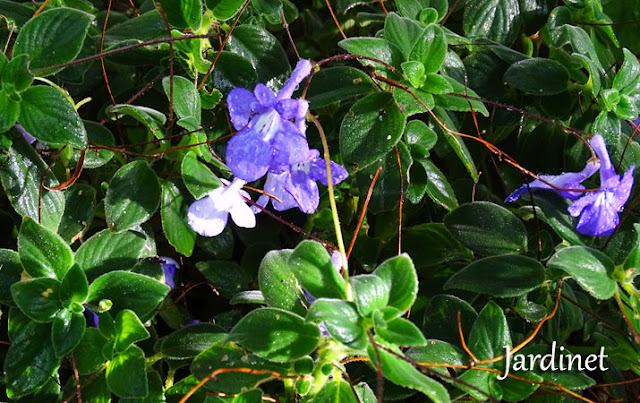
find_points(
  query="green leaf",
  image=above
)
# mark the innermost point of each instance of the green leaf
(537, 76)
(337, 391)
(440, 318)
(227, 277)
(510, 275)
(311, 264)
(590, 268)
(21, 175)
(278, 284)
(80, 204)
(42, 252)
(342, 321)
(10, 273)
(627, 79)
(49, 116)
(438, 352)
(370, 130)
(405, 374)
(371, 293)
(438, 187)
(99, 135)
(336, 84)
(52, 38)
(186, 101)
(431, 245)
(129, 330)
(30, 361)
(125, 290)
(232, 71)
(386, 192)
(430, 49)
(275, 334)
(231, 356)
(150, 118)
(197, 177)
(39, 299)
(489, 334)
(67, 331)
(224, 9)
(183, 14)
(125, 209)
(376, 48)
(74, 286)
(460, 103)
(10, 111)
(401, 332)
(269, 9)
(402, 32)
(487, 228)
(264, 52)
(107, 251)
(88, 353)
(251, 396)
(497, 20)
(17, 73)
(400, 277)
(126, 375)
(419, 137)
(174, 217)
(191, 340)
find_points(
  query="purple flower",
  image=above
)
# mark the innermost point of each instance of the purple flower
(297, 185)
(27, 136)
(599, 210)
(209, 215)
(271, 128)
(169, 267)
(567, 180)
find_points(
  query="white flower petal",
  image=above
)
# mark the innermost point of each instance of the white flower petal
(206, 218)
(242, 214)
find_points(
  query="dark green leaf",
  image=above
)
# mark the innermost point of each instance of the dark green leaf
(432, 244)
(42, 252)
(183, 14)
(510, 275)
(74, 286)
(438, 187)
(376, 48)
(224, 9)
(627, 80)
(490, 333)
(337, 391)
(39, 299)
(191, 340)
(21, 175)
(88, 353)
(10, 111)
(342, 321)
(125, 209)
(107, 251)
(401, 332)
(30, 353)
(403, 33)
(438, 352)
(197, 177)
(371, 293)
(336, 84)
(590, 268)
(232, 71)
(186, 101)
(420, 137)
(487, 228)
(400, 276)
(126, 375)
(370, 130)
(129, 330)
(497, 20)
(52, 38)
(278, 284)
(150, 118)
(17, 73)
(49, 116)
(99, 135)
(538, 76)
(67, 331)
(174, 217)
(275, 334)
(460, 103)
(10, 273)
(311, 264)
(78, 213)
(440, 318)
(227, 277)
(127, 290)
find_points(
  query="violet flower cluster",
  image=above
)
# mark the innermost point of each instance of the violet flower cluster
(271, 141)
(598, 210)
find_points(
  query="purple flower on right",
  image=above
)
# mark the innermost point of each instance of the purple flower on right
(599, 210)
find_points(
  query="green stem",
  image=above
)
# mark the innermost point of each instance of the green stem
(327, 354)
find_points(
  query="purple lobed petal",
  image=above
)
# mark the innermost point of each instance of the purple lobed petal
(248, 155)
(265, 96)
(242, 104)
(304, 190)
(303, 68)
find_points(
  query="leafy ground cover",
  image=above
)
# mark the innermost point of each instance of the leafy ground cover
(319, 201)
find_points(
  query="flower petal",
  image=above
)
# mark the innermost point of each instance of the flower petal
(241, 104)
(301, 116)
(248, 155)
(303, 68)
(606, 168)
(241, 214)
(205, 217)
(318, 171)
(264, 95)
(289, 147)
(623, 190)
(275, 185)
(598, 218)
(288, 108)
(304, 190)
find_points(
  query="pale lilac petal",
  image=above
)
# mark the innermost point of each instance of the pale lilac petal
(242, 215)
(301, 117)
(241, 104)
(303, 68)
(248, 155)
(336, 259)
(205, 218)
(264, 95)
(606, 168)
(275, 185)
(623, 190)
(304, 190)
